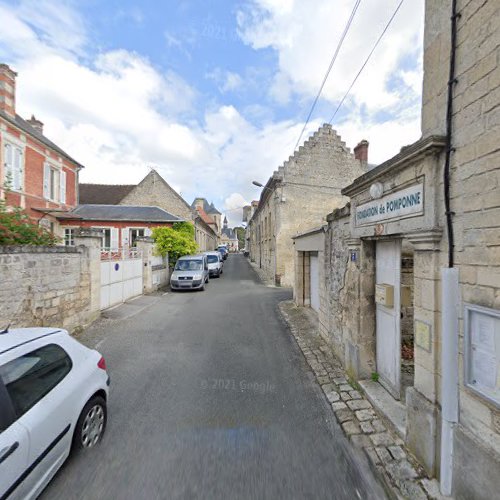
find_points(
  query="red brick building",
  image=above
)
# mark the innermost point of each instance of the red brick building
(35, 174)
(121, 225)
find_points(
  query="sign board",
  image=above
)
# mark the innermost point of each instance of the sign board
(482, 351)
(423, 335)
(404, 203)
(384, 295)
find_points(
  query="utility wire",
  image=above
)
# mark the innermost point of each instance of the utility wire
(366, 61)
(337, 50)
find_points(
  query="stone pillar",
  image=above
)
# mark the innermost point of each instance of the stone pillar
(422, 427)
(89, 241)
(146, 245)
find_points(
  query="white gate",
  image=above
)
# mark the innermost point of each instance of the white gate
(121, 276)
(388, 272)
(314, 280)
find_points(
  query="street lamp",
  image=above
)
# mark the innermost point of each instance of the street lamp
(258, 184)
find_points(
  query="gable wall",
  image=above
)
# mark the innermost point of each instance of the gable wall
(153, 191)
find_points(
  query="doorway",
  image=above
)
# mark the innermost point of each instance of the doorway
(388, 318)
(394, 316)
(314, 280)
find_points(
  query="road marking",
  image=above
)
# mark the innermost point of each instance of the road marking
(99, 343)
(166, 293)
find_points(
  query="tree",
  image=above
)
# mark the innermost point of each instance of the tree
(184, 228)
(240, 234)
(176, 241)
(17, 228)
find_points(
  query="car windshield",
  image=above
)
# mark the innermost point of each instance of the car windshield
(212, 259)
(189, 265)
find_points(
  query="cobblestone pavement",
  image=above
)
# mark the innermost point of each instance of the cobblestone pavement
(360, 422)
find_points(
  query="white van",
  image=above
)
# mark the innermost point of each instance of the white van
(190, 273)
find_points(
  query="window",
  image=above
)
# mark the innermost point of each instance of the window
(69, 236)
(31, 377)
(52, 179)
(105, 237)
(134, 234)
(13, 162)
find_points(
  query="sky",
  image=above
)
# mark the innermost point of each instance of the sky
(211, 93)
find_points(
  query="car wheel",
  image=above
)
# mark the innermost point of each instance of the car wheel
(91, 424)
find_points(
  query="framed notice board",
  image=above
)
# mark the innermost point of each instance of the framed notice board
(482, 351)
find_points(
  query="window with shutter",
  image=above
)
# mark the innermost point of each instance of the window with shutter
(114, 239)
(62, 195)
(46, 181)
(13, 166)
(17, 175)
(8, 163)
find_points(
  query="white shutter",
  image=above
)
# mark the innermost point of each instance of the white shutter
(17, 176)
(62, 194)
(114, 238)
(46, 181)
(125, 236)
(8, 162)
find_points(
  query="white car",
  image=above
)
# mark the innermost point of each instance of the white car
(215, 264)
(53, 394)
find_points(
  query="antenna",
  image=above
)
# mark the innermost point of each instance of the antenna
(5, 330)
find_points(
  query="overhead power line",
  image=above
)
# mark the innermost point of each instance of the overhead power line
(366, 61)
(337, 50)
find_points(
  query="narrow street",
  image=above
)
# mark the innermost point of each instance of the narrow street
(211, 398)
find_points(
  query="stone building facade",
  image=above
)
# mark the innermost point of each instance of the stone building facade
(387, 253)
(298, 195)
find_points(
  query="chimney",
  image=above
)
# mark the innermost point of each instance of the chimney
(361, 152)
(36, 124)
(7, 90)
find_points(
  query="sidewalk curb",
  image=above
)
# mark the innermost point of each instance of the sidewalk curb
(397, 470)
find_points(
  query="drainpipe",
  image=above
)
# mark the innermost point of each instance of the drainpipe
(450, 297)
(449, 380)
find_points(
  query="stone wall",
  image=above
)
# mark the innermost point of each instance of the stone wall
(475, 191)
(347, 312)
(153, 190)
(204, 236)
(50, 286)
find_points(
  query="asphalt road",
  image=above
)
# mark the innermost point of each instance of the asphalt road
(211, 398)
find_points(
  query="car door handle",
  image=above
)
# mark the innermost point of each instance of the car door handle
(7, 452)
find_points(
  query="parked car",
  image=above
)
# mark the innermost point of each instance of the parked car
(224, 251)
(53, 396)
(190, 273)
(215, 263)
